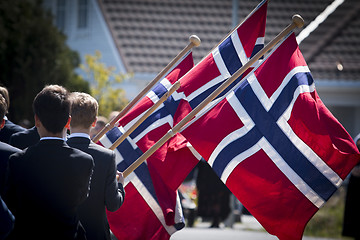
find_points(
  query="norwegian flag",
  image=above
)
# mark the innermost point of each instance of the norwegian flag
(151, 206)
(275, 145)
(151, 209)
(230, 55)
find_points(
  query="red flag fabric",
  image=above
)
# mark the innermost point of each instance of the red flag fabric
(275, 145)
(151, 209)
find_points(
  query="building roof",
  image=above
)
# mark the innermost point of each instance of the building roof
(335, 42)
(149, 34)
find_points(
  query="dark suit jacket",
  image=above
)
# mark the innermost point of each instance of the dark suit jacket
(25, 138)
(46, 184)
(9, 129)
(104, 190)
(7, 220)
(5, 151)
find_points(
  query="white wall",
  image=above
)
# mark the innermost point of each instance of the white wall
(95, 37)
(342, 98)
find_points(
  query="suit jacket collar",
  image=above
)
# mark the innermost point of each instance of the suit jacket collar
(52, 141)
(84, 135)
(78, 140)
(51, 138)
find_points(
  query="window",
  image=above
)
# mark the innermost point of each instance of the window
(82, 14)
(60, 14)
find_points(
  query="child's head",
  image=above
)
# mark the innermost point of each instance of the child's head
(52, 107)
(84, 109)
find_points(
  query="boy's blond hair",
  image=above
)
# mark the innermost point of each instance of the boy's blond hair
(84, 109)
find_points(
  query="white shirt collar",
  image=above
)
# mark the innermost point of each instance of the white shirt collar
(48, 138)
(79, 135)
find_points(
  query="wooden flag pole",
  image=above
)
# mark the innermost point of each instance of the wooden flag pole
(128, 132)
(297, 21)
(194, 42)
(173, 88)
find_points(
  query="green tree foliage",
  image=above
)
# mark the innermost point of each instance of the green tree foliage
(103, 87)
(33, 53)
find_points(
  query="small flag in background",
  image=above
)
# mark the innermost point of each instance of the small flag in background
(275, 145)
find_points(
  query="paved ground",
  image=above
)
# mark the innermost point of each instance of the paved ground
(248, 229)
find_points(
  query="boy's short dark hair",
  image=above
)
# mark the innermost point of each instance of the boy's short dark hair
(52, 106)
(5, 93)
(3, 107)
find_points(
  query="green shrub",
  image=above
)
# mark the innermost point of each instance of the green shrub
(327, 222)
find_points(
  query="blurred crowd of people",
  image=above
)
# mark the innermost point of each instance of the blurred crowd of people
(351, 221)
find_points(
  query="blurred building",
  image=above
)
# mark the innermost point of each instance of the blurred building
(143, 36)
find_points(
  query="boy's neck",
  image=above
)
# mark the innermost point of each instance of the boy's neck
(45, 133)
(79, 130)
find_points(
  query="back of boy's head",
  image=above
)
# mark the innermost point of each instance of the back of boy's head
(84, 109)
(52, 107)
(3, 107)
(5, 93)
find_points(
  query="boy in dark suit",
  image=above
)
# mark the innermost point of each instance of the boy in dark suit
(106, 189)
(48, 181)
(25, 138)
(9, 128)
(6, 217)
(5, 149)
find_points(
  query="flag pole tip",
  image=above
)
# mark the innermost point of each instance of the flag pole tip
(195, 40)
(298, 20)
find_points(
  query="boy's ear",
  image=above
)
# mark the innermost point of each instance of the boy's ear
(67, 126)
(2, 124)
(37, 121)
(94, 123)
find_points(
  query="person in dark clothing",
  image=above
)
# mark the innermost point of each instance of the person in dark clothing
(48, 181)
(5, 149)
(25, 138)
(6, 217)
(9, 128)
(352, 202)
(7, 220)
(106, 192)
(213, 195)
